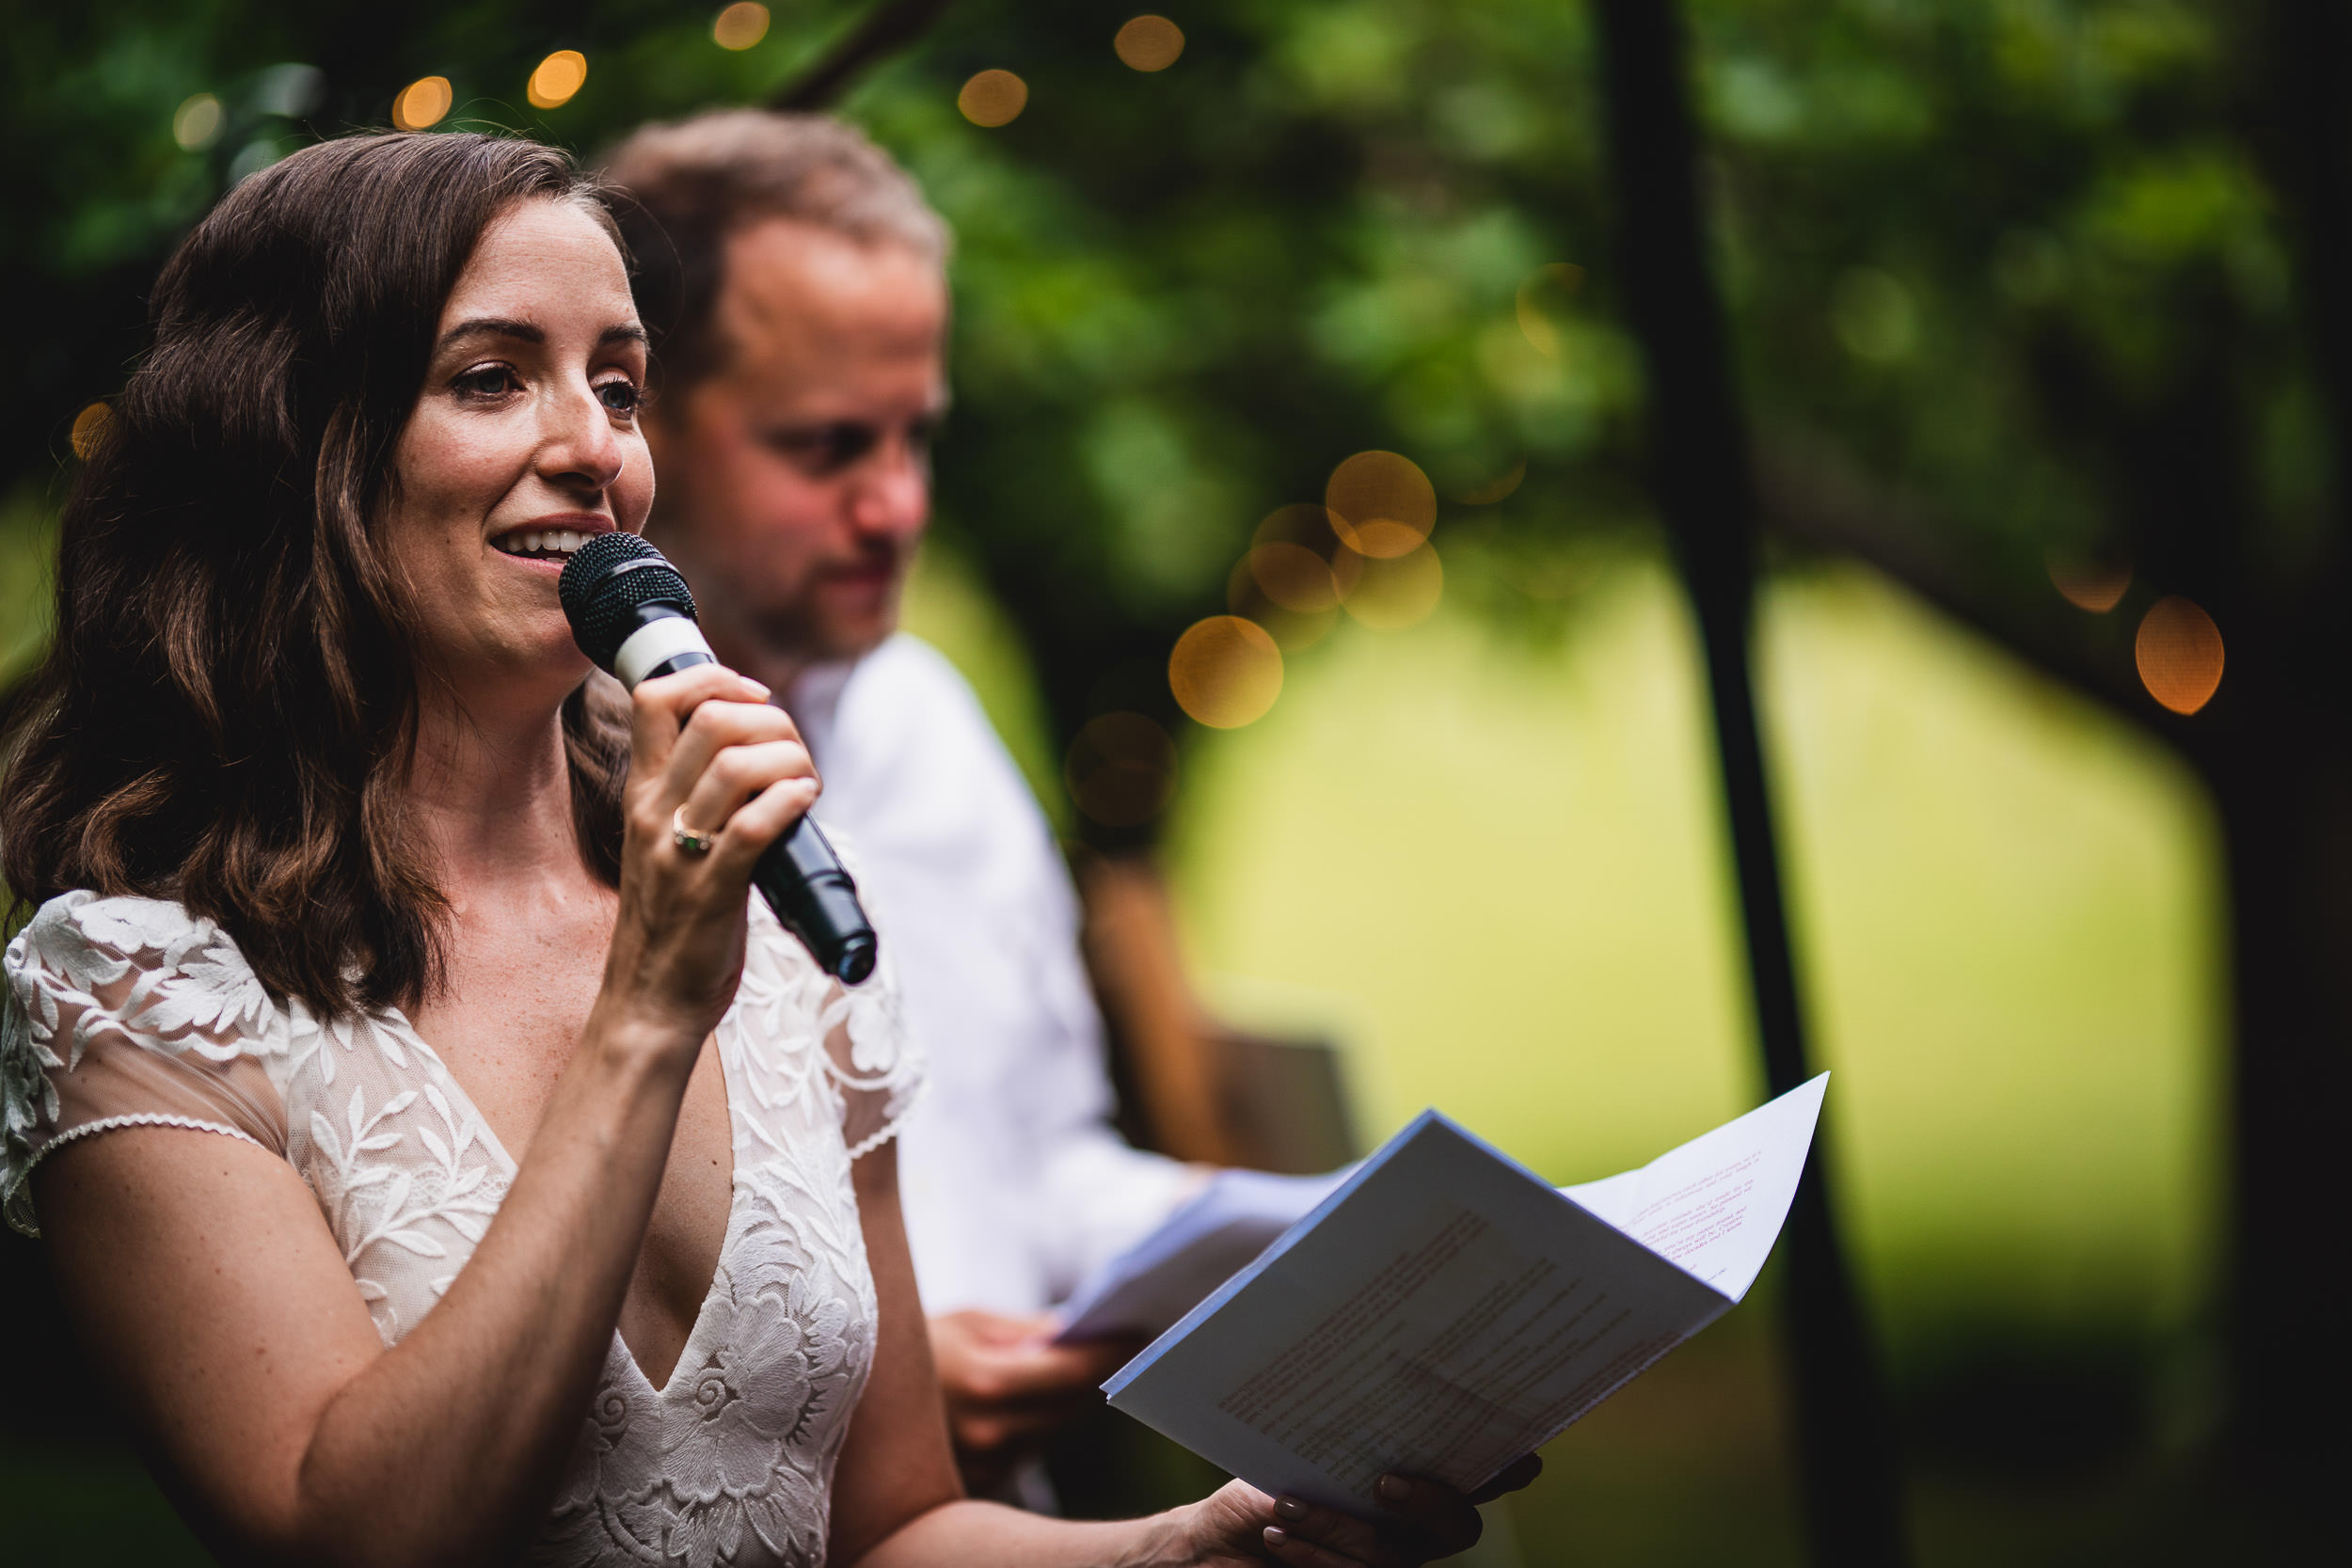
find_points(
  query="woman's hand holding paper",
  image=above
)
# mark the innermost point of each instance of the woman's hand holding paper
(1424, 1520)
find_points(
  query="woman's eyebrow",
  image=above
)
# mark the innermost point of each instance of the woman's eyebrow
(503, 326)
(491, 327)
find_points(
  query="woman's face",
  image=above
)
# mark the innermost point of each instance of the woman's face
(524, 441)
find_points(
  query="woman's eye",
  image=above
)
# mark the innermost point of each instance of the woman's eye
(490, 381)
(622, 397)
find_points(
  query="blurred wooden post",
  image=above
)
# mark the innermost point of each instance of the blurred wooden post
(1131, 950)
(1200, 1089)
(1706, 492)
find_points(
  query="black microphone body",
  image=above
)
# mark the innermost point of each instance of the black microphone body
(632, 615)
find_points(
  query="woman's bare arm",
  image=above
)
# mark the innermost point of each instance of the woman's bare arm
(202, 1274)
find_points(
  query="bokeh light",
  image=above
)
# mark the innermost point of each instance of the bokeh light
(1150, 44)
(1226, 672)
(994, 98)
(559, 77)
(1396, 592)
(1543, 302)
(90, 430)
(740, 25)
(1291, 630)
(422, 103)
(1495, 488)
(196, 124)
(1381, 503)
(2092, 585)
(1121, 769)
(1294, 576)
(2179, 653)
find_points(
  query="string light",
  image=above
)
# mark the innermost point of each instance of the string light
(1149, 43)
(2179, 653)
(560, 76)
(422, 103)
(994, 98)
(1225, 672)
(740, 25)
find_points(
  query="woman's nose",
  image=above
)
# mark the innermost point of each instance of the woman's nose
(581, 445)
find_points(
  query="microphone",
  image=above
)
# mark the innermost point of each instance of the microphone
(632, 616)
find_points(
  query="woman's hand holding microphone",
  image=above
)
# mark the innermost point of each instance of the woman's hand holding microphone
(717, 775)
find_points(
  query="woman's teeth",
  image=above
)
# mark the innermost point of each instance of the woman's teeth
(546, 544)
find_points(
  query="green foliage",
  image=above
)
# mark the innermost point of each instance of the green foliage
(1981, 240)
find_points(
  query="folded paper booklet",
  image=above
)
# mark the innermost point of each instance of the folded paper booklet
(1443, 1312)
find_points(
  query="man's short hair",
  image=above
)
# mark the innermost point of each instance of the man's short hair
(683, 190)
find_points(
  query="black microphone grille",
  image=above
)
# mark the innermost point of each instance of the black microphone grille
(604, 583)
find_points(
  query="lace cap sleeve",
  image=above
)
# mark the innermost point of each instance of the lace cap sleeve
(125, 1012)
(869, 1055)
(872, 1060)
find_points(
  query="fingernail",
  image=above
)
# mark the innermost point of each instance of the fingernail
(1276, 1536)
(1290, 1507)
(1391, 1490)
(759, 687)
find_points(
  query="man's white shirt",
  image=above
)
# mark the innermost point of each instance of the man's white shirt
(1014, 1184)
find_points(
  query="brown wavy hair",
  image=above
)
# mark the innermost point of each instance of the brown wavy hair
(227, 714)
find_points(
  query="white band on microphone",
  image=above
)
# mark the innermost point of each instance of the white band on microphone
(654, 644)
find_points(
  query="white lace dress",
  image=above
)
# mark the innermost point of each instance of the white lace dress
(130, 1011)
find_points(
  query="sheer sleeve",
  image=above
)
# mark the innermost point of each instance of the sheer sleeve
(869, 1055)
(127, 1012)
(871, 1061)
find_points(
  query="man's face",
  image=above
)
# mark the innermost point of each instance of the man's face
(796, 479)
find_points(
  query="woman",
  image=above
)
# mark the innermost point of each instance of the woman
(611, 1269)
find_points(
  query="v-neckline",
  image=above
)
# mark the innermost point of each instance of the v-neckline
(497, 1145)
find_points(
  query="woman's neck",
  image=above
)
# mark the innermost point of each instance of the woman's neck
(492, 794)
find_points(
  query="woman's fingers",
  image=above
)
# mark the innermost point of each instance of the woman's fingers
(711, 730)
(1286, 1546)
(761, 822)
(659, 708)
(1441, 1515)
(1427, 1519)
(739, 774)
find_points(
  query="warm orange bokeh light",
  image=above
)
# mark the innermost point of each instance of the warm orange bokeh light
(1122, 769)
(89, 429)
(2091, 585)
(1381, 505)
(1398, 591)
(994, 98)
(1150, 44)
(421, 103)
(1225, 672)
(1294, 576)
(2179, 652)
(560, 76)
(740, 25)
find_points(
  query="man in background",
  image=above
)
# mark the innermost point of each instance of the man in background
(795, 279)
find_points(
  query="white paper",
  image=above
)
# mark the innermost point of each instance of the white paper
(1212, 1235)
(1716, 1204)
(1445, 1311)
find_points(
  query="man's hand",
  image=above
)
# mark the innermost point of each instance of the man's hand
(1008, 1388)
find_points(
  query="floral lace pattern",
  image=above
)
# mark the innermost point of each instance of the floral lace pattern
(732, 1460)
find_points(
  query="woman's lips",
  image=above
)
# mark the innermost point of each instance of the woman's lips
(543, 544)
